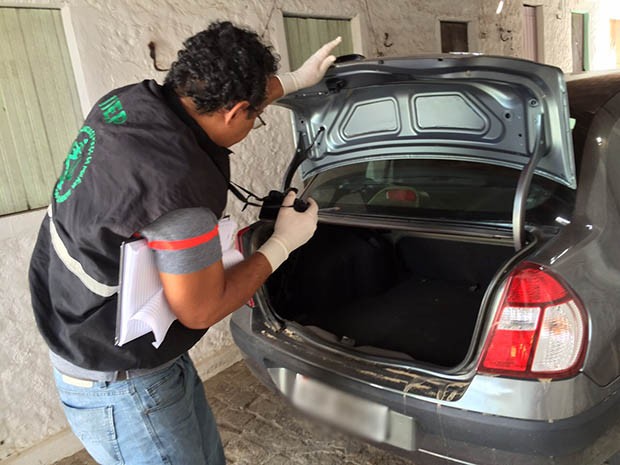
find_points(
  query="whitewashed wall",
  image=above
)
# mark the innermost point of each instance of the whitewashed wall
(109, 38)
(503, 34)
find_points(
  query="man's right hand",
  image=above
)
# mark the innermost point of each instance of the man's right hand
(292, 230)
(202, 298)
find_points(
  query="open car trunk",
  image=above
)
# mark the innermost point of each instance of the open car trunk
(387, 293)
(419, 138)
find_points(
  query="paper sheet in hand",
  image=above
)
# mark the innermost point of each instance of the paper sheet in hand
(227, 231)
(142, 305)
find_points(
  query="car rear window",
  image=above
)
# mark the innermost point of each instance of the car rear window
(438, 189)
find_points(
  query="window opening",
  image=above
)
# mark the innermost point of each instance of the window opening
(454, 37)
(578, 36)
(305, 35)
(530, 33)
(615, 39)
(39, 106)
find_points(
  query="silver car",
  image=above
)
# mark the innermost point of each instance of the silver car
(460, 300)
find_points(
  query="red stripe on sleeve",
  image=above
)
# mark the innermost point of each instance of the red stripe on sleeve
(183, 244)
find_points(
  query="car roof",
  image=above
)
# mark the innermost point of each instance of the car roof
(587, 94)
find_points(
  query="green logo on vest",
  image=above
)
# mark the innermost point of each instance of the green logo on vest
(76, 164)
(112, 110)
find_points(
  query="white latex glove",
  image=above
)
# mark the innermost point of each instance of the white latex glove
(312, 71)
(291, 230)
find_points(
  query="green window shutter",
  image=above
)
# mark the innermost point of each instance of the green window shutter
(39, 106)
(305, 36)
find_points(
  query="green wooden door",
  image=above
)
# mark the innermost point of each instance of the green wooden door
(304, 36)
(39, 107)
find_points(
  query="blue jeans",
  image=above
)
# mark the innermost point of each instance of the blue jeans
(158, 418)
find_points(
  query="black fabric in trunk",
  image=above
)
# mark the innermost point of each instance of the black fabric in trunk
(419, 297)
(428, 320)
(336, 267)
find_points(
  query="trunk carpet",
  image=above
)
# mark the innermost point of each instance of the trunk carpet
(430, 320)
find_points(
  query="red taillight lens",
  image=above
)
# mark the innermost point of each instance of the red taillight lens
(534, 286)
(539, 330)
(239, 241)
(401, 195)
(510, 348)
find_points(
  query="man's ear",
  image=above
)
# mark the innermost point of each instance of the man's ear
(239, 110)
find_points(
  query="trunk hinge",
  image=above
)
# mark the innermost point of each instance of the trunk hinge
(301, 153)
(523, 188)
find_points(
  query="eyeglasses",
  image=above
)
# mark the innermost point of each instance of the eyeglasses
(258, 122)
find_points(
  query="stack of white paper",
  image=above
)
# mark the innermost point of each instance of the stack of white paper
(142, 305)
(227, 231)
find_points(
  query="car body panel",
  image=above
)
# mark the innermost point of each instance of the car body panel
(586, 252)
(460, 416)
(474, 108)
(432, 432)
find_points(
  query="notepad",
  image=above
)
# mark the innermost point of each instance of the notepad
(227, 230)
(142, 305)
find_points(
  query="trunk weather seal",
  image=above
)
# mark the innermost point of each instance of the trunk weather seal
(260, 298)
(323, 344)
(298, 158)
(523, 188)
(490, 297)
(488, 233)
(301, 153)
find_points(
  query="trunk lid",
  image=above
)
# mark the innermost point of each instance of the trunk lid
(492, 110)
(476, 108)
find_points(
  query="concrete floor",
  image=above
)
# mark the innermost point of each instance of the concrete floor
(259, 428)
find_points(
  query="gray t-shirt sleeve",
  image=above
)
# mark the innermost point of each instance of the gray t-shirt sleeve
(184, 240)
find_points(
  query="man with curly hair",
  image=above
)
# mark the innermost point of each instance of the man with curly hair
(153, 161)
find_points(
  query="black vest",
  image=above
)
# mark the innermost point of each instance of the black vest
(138, 156)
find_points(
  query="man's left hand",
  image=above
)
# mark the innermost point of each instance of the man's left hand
(312, 71)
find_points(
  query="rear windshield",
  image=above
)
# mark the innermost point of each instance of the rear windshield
(438, 189)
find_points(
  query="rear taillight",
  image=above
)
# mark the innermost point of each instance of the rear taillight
(240, 238)
(239, 245)
(540, 330)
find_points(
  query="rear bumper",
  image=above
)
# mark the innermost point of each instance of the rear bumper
(430, 432)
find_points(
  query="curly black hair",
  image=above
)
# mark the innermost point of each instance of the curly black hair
(221, 66)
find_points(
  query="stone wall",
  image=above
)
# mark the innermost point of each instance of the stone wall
(108, 40)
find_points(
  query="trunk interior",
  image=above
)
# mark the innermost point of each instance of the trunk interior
(387, 293)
